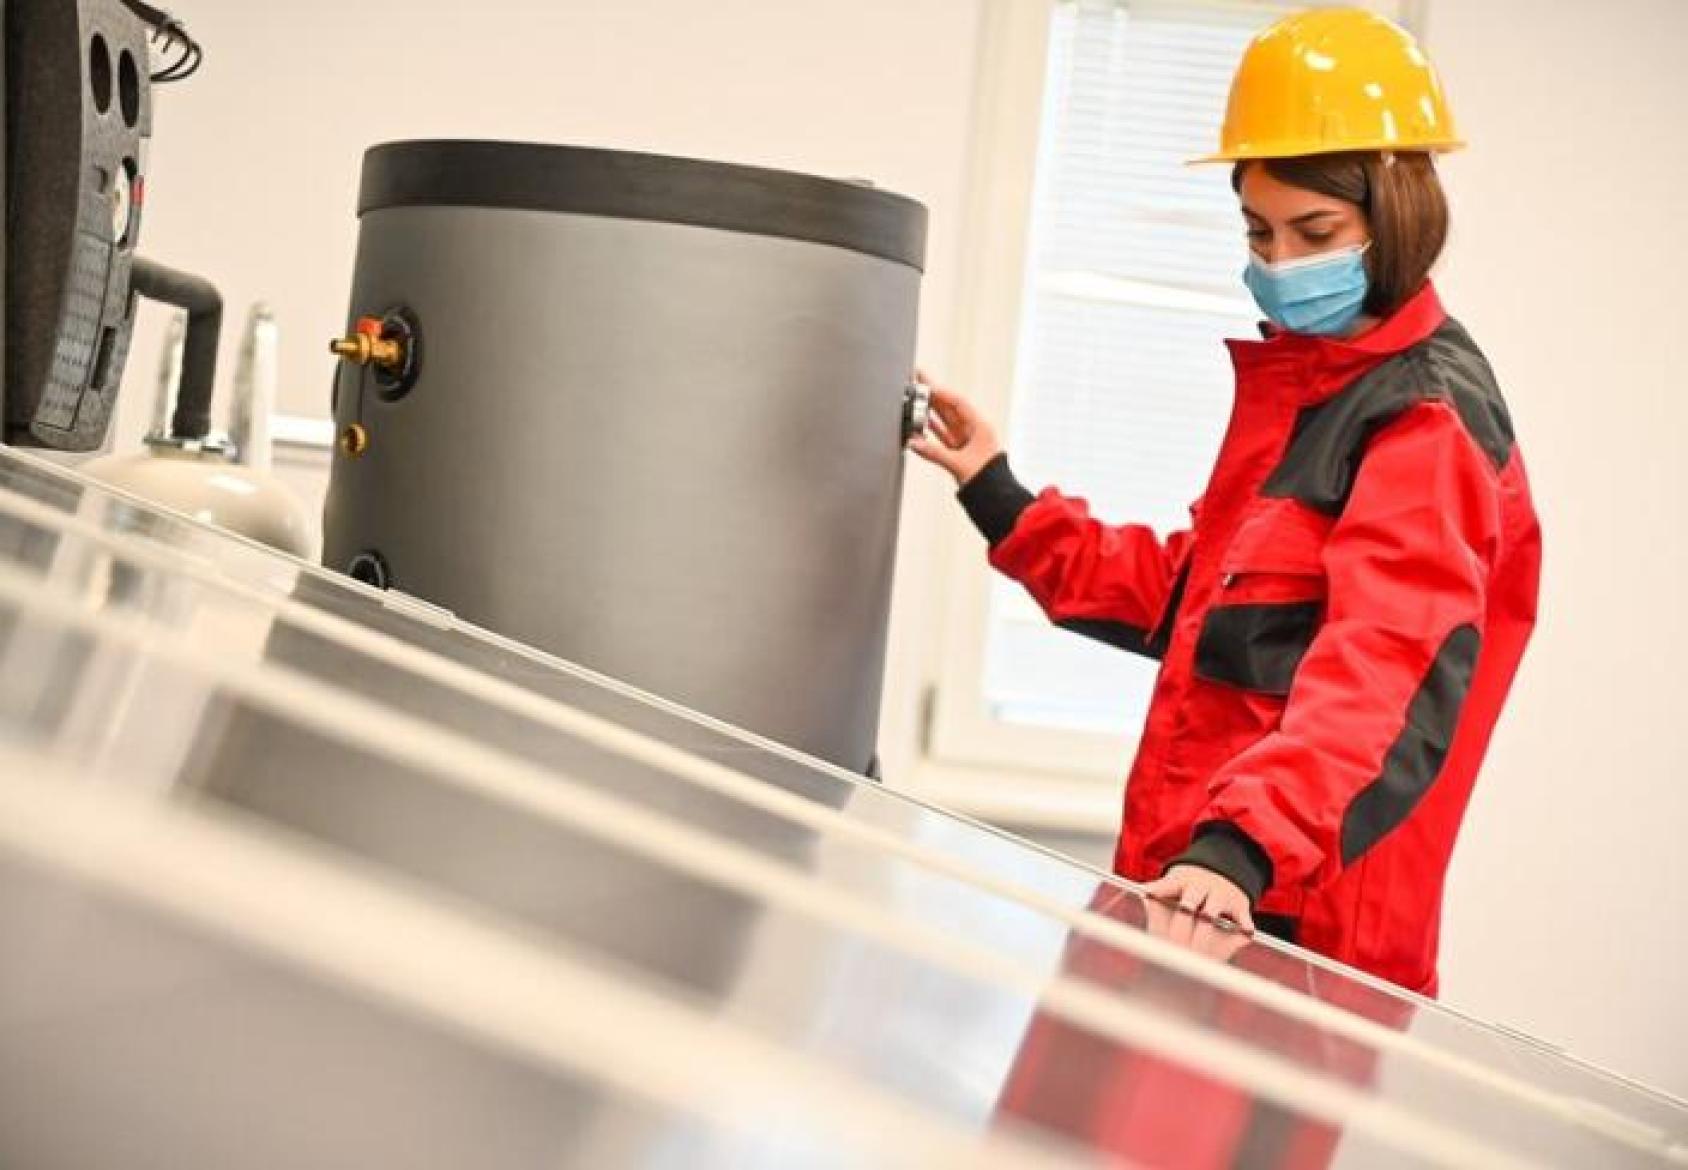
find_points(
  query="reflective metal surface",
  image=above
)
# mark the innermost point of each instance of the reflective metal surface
(669, 451)
(297, 873)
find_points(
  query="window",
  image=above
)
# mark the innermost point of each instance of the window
(1107, 275)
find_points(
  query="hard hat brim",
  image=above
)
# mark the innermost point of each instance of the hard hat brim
(1303, 150)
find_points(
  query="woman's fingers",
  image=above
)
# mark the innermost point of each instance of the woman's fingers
(1165, 889)
(956, 429)
(1204, 935)
(953, 418)
(952, 402)
(958, 414)
(1193, 897)
(1198, 892)
(933, 453)
(948, 402)
(1158, 916)
(1183, 929)
(1172, 890)
(1217, 942)
(1227, 901)
(945, 399)
(938, 389)
(1241, 915)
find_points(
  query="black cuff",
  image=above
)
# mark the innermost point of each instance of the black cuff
(1226, 850)
(994, 499)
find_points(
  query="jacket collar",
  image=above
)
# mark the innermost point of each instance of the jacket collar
(1328, 364)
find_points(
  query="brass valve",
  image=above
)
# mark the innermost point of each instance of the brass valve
(354, 440)
(368, 346)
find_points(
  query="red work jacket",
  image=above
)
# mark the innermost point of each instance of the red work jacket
(1338, 630)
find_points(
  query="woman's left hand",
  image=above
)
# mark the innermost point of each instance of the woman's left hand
(1197, 890)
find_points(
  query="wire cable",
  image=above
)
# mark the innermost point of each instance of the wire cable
(169, 35)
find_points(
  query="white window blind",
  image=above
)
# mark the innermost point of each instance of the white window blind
(1123, 386)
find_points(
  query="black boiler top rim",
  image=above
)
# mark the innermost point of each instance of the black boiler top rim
(630, 185)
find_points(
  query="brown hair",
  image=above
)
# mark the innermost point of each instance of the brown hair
(1403, 203)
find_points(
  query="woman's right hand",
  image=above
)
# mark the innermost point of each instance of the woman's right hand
(961, 441)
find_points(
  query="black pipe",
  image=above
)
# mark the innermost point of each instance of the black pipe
(204, 305)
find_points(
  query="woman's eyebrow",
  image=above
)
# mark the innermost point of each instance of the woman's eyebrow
(1309, 216)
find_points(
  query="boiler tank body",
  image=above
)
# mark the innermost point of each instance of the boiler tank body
(645, 413)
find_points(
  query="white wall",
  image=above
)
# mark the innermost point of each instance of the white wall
(1569, 910)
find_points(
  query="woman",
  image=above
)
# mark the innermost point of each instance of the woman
(1341, 624)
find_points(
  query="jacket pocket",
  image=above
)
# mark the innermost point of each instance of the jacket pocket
(1271, 600)
(1277, 555)
(1257, 647)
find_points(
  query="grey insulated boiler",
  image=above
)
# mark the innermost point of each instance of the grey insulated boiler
(645, 413)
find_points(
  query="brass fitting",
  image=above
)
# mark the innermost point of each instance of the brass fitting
(367, 346)
(354, 440)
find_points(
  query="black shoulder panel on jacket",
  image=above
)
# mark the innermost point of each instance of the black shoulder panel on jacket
(1330, 439)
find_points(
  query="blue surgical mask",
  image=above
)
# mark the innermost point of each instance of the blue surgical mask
(1320, 295)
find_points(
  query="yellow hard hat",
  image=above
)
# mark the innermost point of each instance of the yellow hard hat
(1333, 79)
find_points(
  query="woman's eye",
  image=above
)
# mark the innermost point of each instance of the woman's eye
(1317, 237)
(1258, 233)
